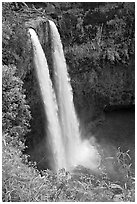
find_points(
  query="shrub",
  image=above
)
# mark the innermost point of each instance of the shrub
(23, 183)
(15, 111)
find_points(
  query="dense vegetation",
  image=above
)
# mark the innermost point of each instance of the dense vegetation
(99, 46)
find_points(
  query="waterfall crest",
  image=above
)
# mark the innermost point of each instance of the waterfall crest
(68, 149)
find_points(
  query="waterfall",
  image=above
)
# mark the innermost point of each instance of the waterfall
(77, 151)
(49, 100)
(69, 150)
(67, 116)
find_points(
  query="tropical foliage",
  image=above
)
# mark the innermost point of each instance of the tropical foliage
(15, 111)
(23, 183)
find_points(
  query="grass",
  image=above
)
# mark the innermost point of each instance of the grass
(24, 183)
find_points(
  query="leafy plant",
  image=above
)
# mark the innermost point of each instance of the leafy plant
(15, 111)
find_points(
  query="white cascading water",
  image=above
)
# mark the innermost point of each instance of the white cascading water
(68, 149)
(50, 105)
(77, 151)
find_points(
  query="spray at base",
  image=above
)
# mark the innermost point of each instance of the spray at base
(86, 155)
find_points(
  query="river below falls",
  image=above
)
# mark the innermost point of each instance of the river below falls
(117, 130)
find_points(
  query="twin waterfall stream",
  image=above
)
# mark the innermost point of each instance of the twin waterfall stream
(68, 149)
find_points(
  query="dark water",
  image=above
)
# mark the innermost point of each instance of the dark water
(112, 130)
(117, 130)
